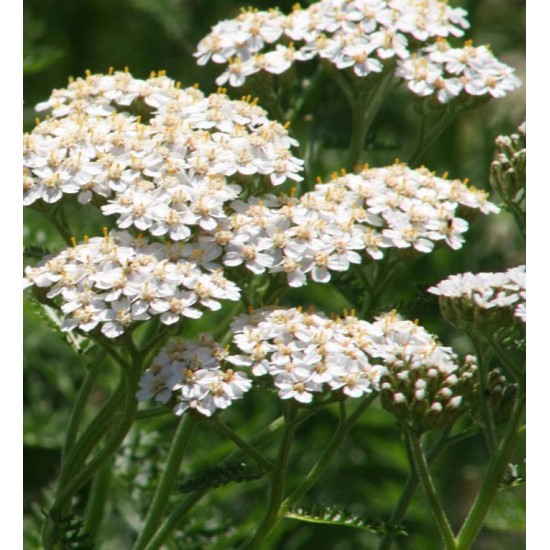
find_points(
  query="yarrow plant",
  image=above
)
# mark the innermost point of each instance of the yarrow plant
(207, 225)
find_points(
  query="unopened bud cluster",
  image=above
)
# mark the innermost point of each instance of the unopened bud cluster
(508, 170)
(483, 301)
(424, 387)
(500, 393)
(193, 375)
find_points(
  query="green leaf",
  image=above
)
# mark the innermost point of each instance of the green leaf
(54, 320)
(37, 252)
(333, 515)
(68, 534)
(40, 59)
(237, 472)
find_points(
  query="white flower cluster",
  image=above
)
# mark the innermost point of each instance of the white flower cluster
(307, 353)
(360, 35)
(446, 72)
(167, 177)
(162, 176)
(487, 291)
(116, 280)
(330, 227)
(195, 375)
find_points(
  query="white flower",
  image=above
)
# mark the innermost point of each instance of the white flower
(192, 373)
(119, 317)
(487, 290)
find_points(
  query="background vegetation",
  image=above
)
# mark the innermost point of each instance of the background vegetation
(62, 38)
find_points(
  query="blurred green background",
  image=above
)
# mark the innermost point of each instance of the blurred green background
(64, 37)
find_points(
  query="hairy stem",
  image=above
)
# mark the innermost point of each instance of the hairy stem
(93, 433)
(111, 445)
(176, 516)
(174, 519)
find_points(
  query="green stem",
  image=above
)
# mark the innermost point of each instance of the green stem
(177, 515)
(85, 472)
(248, 449)
(337, 439)
(412, 482)
(167, 481)
(152, 413)
(91, 436)
(305, 97)
(62, 230)
(276, 495)
(486, 409)
(386, 269)
(81, 401)
(222, 332)
(364, 109)
(75, 472)
(503, 358)
(497, 469)
(446, 118)
(408, 492)
(97, 499)
(341, 80)
(175, 519)
(420, 465)
(519, 217)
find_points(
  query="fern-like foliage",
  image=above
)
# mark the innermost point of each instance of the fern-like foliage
(53, 319)
(37, 252)
(237, 472)
(514, 477)
(334, 515)
(68, 534)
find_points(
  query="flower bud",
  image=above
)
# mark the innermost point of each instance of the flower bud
(429, 396)
(508, 170)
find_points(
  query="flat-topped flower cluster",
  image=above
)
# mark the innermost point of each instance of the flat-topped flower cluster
(170, 179)
(116, 280)
(447, 72)
(361, 35)
(333, 226)
(195, 375)
(307, 353)
(486, 291)
(162, 174)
